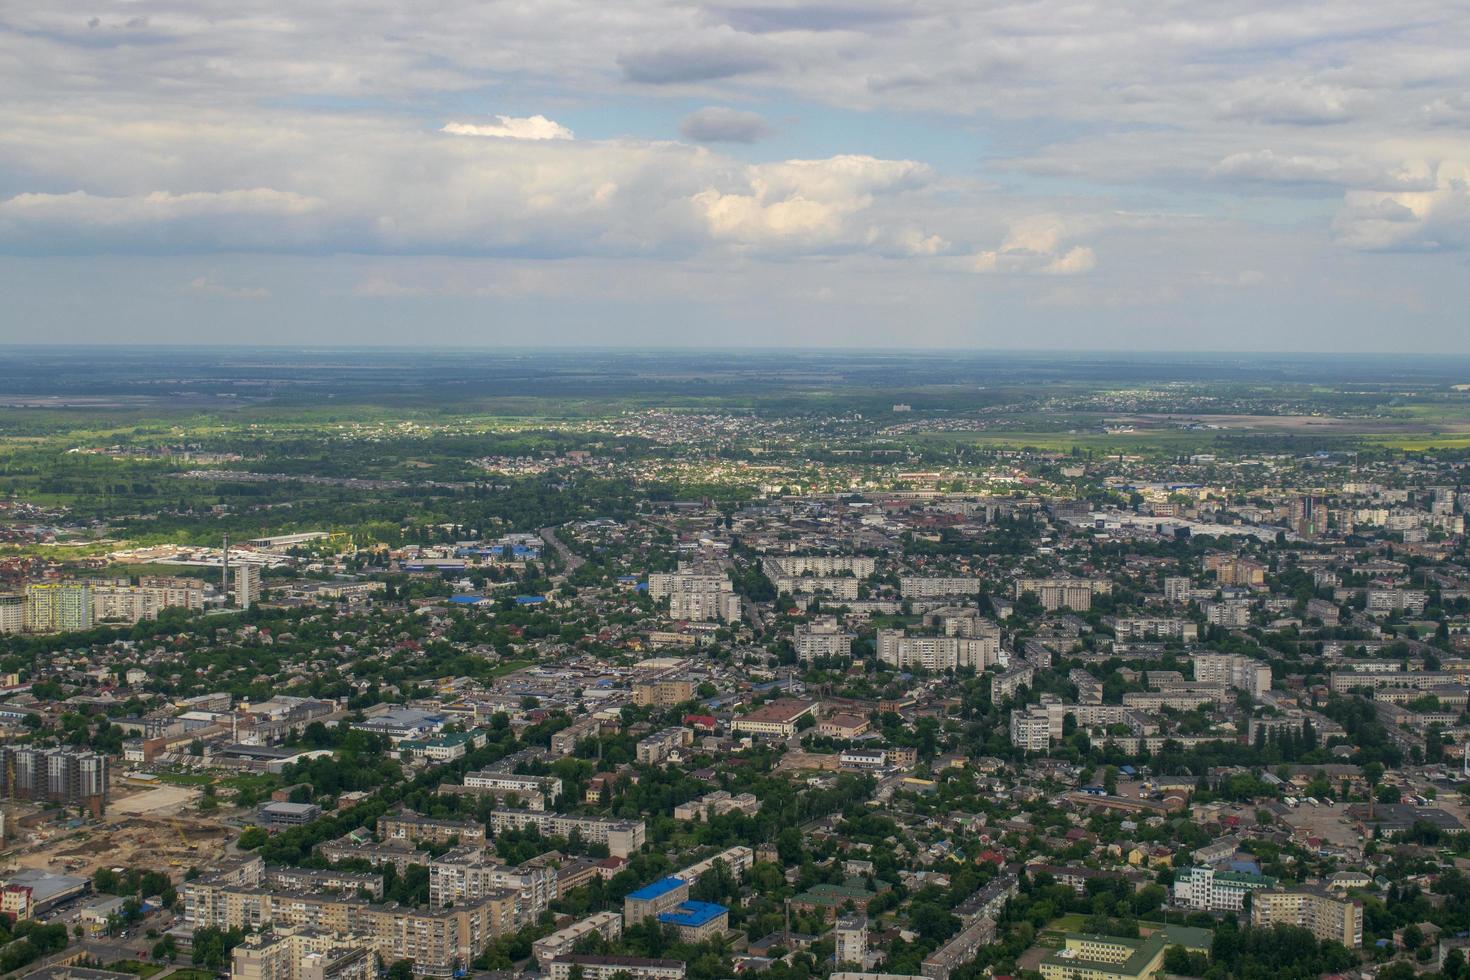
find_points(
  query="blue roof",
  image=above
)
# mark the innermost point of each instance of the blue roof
(529, 600)
(466, 600)
(692, 914)
(661, 887)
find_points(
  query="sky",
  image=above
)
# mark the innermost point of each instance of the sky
(1236, 175)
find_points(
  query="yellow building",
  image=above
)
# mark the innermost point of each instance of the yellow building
(1093, 957)
(1326, 916)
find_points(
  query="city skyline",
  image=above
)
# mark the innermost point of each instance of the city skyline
(931, 175)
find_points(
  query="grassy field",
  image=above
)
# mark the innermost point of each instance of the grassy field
(144, 970)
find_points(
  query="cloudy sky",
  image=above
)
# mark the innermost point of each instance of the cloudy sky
(1241, 174)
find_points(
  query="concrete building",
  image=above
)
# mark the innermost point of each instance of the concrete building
(1208, 890)
(470, 873)
(406, 825)
(921, 587)
(935, 653)
(1233, 670)
(58, 607)
(607, 967)
(302, 954)
(822, 638)
(1005, 684)
(1064, 593)
(1328, 917)
(547, 787)
(663, 693)
(856, 565)
(608, 925)
(12, 613)
(278, 816)
(703, 593)
(659, 746)
(694, 922)
(622, 837)
(655, 899)
(1093, 957)
(246, 585)
(56, 775)
(778, 718)
(1031, 728)
(851, 938)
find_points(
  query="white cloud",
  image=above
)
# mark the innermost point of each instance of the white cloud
(1074, 262)
(209, 287)
(1416, 221)
(510, 127)
(804, 201)
(1037, 245)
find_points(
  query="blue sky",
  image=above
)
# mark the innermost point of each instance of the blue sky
(1049, 173)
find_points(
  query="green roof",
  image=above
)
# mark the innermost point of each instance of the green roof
(1190, 937)
(1144, 950)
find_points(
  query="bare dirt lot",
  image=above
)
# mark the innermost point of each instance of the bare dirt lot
(164, 801)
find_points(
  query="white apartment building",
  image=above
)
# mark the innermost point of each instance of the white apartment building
(1232, 670)
(794, 565)
(897, 649)
(622, 837)
(1230, 614)
(919, 587)
(1208, 890)
(822, 638)
(702, 593)
(1069, 593)
(1031, 728)
(548, 787)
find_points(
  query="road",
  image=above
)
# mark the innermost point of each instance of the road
(569, 561)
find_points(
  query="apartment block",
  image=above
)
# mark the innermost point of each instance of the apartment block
(1064, 593)
(663, 693)
(471, 873)
(1005, 684)
(822, 638)
(920, 587)
(897, 649)
(608, 967)
(1326, 916)
(547, 787)
(303, 954)
(622, 837)
(795, 565)
(659, 746)
(608, 925)
(1031, 728)
(1233, 670)
(74, 777)
(405, 825)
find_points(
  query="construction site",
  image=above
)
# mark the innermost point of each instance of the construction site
(158, 828)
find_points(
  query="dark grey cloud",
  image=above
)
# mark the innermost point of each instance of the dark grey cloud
(698, 63)
(719, 124)
(812, 17)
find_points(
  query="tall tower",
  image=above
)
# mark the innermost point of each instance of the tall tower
(224, 572)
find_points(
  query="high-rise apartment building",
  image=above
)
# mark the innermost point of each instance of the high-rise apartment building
(247, 585)
(54, 607)
(58, 775)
